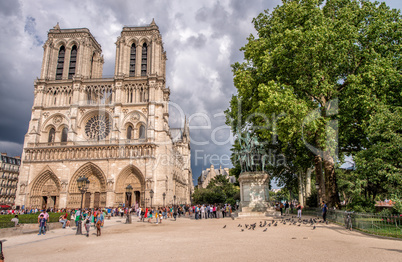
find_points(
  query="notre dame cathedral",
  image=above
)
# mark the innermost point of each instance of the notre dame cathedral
(115, 131)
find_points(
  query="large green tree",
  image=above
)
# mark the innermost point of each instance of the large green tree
(320, 69)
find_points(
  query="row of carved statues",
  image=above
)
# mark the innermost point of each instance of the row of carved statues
(128, 151)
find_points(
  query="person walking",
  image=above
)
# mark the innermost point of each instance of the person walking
(87, 225)
(286, 208)
(299, 210)
(324, 211)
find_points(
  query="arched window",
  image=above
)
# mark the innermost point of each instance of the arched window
(92, 64)
(55, 98)
(132, 60)
(129, 132)
(64, 134)
(142, 132)
(73, 60)
(60, 63)
(52, 132)
(144, 60)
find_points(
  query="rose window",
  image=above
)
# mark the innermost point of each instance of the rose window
(98, 127)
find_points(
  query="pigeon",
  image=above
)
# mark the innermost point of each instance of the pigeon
(327, 223)
(269, 224)
(265, 230)
(298, 225)
(313, 227)
(239, 225)
(276, 224)
(224, 226)
(242, 230)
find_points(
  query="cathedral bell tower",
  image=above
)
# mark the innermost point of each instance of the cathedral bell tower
(71, 52)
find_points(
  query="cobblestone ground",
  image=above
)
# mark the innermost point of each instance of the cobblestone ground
(202, 240)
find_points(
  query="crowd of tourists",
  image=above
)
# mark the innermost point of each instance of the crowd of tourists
(96, 217)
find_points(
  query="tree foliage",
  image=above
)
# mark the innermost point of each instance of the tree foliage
(316, 76)
(218, 191)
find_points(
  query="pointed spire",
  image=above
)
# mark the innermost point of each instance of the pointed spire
(153, 23)
(57, 26)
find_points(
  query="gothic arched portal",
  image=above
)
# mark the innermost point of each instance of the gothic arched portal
(130, 175)
(45, 191)
(95, 196)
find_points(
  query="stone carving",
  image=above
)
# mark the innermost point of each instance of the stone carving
(46, 114)
(22, 188)
(57, 120)
(64, 186)
(135, 117)
(110, 183)
(144, 110)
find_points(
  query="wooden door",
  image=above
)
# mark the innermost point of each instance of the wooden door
(87, 203)
(96, 200)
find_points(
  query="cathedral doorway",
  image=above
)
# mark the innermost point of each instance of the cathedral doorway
(45, 191)
(130, 175)
(95, 196)
(137, 197)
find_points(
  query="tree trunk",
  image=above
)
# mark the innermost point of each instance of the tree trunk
(308, 182)
(301, 191)
(330, 176)
(319, 179)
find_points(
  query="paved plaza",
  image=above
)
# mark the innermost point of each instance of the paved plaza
(202, 240)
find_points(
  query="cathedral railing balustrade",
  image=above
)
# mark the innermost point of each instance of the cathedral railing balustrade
(90, 152)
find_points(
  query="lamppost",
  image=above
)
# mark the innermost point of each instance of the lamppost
(151, 194)
(164, 196)
(129, 190)
(83, 184)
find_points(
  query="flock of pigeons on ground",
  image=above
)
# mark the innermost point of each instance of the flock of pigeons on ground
(285, 221)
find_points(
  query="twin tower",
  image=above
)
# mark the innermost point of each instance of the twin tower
(114, 131)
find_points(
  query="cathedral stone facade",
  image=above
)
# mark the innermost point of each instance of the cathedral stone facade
(115, 131)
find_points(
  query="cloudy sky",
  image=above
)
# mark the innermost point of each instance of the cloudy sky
(202, 39)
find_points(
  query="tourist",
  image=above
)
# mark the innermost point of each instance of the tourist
(77, 217)
(42, 224)
(196, 210)
(299, 210)
(160, 210)
(175, 213)
(87, 225)
(63, 219)
(15, 220)
(324, 211)
(157, 216)
(286, 208)
(46, 216)
(281, 208)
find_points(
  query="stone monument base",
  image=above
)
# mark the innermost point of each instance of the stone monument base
(254, 194)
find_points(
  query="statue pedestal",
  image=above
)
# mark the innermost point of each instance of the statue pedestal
(254, 194)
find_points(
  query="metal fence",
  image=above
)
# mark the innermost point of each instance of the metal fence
(377, 224)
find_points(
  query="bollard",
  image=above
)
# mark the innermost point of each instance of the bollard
(1, 252)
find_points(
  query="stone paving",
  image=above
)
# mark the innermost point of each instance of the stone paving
(203, 240)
